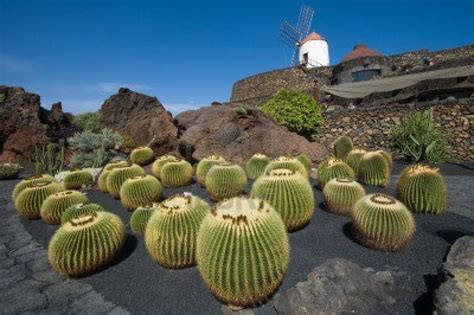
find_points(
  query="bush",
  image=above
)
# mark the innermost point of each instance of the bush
(241, 112)
(94, 149)
(419, 139)
(88, 121)
(9, 170)
(295, 110)
(48, 159)
(2, 97)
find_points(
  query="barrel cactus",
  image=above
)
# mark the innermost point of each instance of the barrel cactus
(102, 181)
(342, 146)
(306, 161)
(256, 165)
(249, 235)
(225, 180)
(159, 163)
(140, 217)
(139, 191)
(170, 235)
(353, 159)
(374, 170)
(54, 206)
(340, 195)
(79, 210)
(119, 175)
(333, 168)
(382, 222)
(422, 189)
(78, 178)
(205, 165)
(86, 244)
(289, 163)
(176, 173)
(142, 156)
(29, 201)
(24, 183)
(290, 194)
(387, 156)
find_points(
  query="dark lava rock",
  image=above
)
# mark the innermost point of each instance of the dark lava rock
(219, 130)
(339, 286)
(456, 293)
(141, 116)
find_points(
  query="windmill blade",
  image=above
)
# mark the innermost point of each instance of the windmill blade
(289, 35)
(305, 19)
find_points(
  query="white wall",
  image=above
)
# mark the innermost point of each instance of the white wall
(318, 52)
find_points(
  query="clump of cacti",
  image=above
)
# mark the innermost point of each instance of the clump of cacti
(54, 205)
(289, 193)
(342, 146)
(176, 173)
(170, 235)
(333, 168)
(382, 222)
(119, 175)
(340, 195)
(24, 183)
(86, 244)
(256, 165)
(159, 163)
(102, 181)
(78, 178)
(422, 189)
(289, 163)
(242, 251)
(225, 180)
(353, 159)
(388, 157)
(142, 156)
(374, 170)
(139, 191)
(80, 209)
(306, 161)
(205, 165)
(28, 202)
(140, 217)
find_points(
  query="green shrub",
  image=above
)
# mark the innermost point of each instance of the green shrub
(241, 112)
(419, 139)
(295, 110)
(9, 170)
(48, 159)
(88, 121)
(2, 98)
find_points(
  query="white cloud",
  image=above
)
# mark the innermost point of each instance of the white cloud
(14, 65)
(112, 87)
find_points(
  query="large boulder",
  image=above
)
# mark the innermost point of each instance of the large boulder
(142, 117)
(219, 130)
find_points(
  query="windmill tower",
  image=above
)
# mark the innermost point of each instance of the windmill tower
(309, 49)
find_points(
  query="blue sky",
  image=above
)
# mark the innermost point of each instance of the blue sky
(188, 53)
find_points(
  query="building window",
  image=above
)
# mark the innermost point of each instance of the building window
(364, 75)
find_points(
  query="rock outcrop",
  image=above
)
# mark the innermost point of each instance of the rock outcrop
(142, 117)
(219, 130)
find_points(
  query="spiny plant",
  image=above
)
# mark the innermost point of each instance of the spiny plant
(340, 195)
(78, 210)
(142, 156)
(140, 217)
(78, 178)
(289, 193)
(170, 235)
(54, 206)
(24, 183)
(9, 171)
(382, 222)
(250, 235)
(289, 163)
(387, 156)
(374, 170)
(422, 189)
(119, 175)
(353, 159)
(256, 165)
(333, 168)
(139, 191)
(102, 181)
(342, 146)
(225, 180)
(306, 161)
(86, 244)
(205, 165)
(176, 173)
(159, 163)
(29, 201)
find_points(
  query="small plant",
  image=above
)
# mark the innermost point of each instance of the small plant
(342, 146)
(333, 168)
(119, 175)
(374, 170)
(79, 210)
(353, 159)
(90, 121)
(289, 163)
(86, 244)
(54, 206)
(48, 159)
(341, 194)
(142, 156)
(33, 179)
(205, 165)
(3, 97)
(306, 161)
(102, 181)
(159, 163)
(77, 179)
(140, 191)
(140, 217)
(241, 112)
(9, 171)
(29, 201)
(261, 252)
(128, 141)
(225, 180)
(256, 165)
(176, 173)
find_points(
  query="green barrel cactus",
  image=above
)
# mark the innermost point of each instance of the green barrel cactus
(333, 168)
(77, 179)
(159, 163)
(119, 175)
(387, 156)
(142, 156)
(225, 181)
(340, 195)
(76, 211)
(140, 217)
(342, 146)
(139, 191)
(422, 189)
(242, 251)
(24, 183)
(177, 173)
(374, 170)
(171, 232)
(256, 165)
(54, 205)
(205, 165)
(353, 159)
(289, 163)
(86, 244)
(289, 193)
(102, 180)
(306, 161)
(382, 222)
(29, 201)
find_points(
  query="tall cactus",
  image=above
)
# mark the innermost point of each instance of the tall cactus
(205, 165)
(54, 205)
(78, 178)
(256, 165)
(142, 156)
(374, 170)
(139, 191)
(176, 173)
(29, 201)
(159, 163)
(333, 168)
(289, 163)
(119, 175)
(353, 159)
(225, 180)
(342, 146)
(80, 209)
(140, 217)
(24, 183)
(102, 181)
(306, 161)
(341, 194)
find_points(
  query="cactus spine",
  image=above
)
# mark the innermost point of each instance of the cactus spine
(353, 159)
(289, 163)
(140, 217)
(24, 183)
(139, 191)
(333, 168)
(205, 165)
(102, 181)
(341, 194)
(374, 170)
(142, 156)
(176, 173)
(306, 161)
(81, 209)
(256, 165)
(77, 179)
(119, 175)
(342, 146)
(159, 163)
(29, 201)
(225, 181)
(387, 156)
(54, 205)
